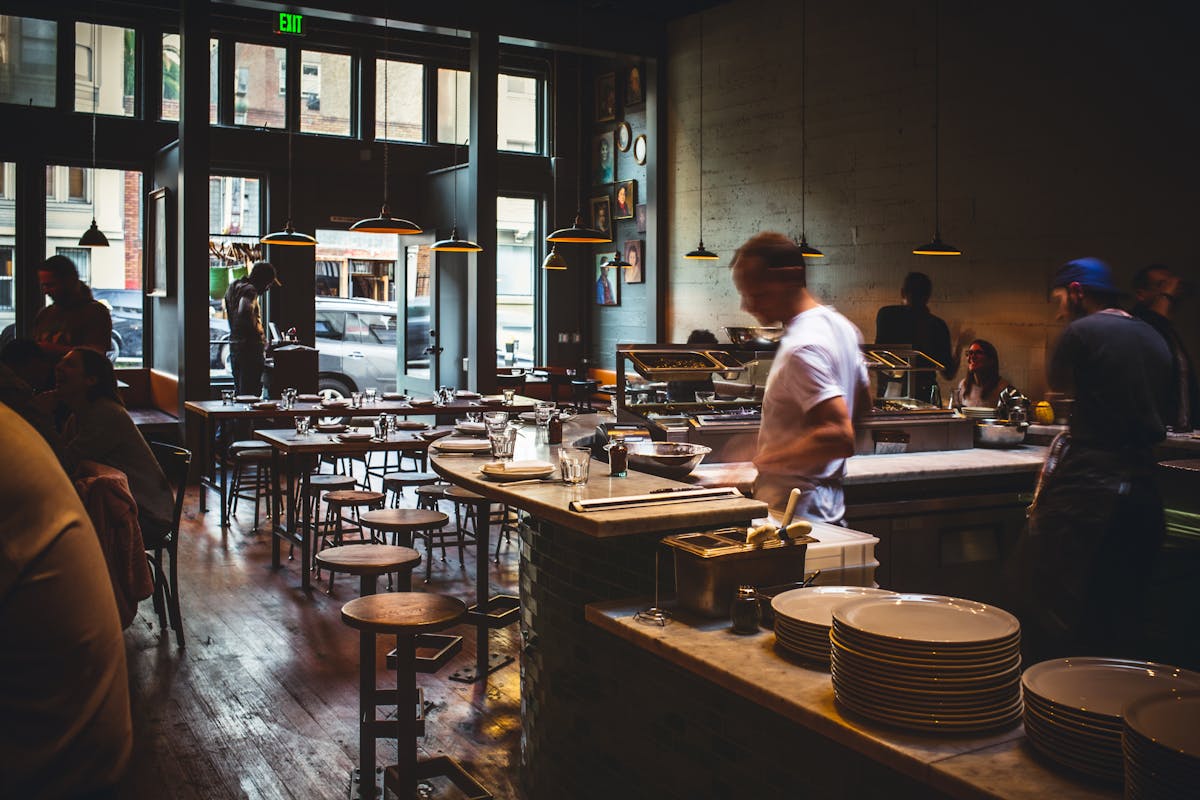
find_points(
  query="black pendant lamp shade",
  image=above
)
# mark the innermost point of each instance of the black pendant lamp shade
(616, 261)
(554, 259)
(937, 247)
(93, 236)
(288, 236)
(579, 233)
(455, 244)
(807, 250)
(701, 253)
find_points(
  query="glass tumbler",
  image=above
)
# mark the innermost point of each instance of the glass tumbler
(356, 399)
(372, 394)
(543, 411)
(509, 394)
(503, 443)
(302, 425)
(495, 420)
(574, 463)
(227, 397)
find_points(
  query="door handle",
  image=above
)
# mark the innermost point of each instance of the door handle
(355, 354)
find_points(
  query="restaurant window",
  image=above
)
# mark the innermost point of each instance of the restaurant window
(77, 185)
(446, 129)
(105, 69)
(516, 220)
(114, 273)
(28, 61)
(517, 114)
(8, 289)
(170, 78)
(326, 90)
(405, 114)
(67, 184)
(234, 224)
(260, 85)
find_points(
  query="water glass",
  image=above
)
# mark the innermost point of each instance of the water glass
(380, 424)
(356, 399)
(705, 397)
(503, 443)
(543, 411)
(227, 397)
(474, 416)
(495, 420)
(574, 463)
(509, 394)
(371, 395)
(302, 425)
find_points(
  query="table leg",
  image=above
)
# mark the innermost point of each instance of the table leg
(206, 461)
(406, 702)
(483, 527)
(275, 500)
(366, 713)
(224, 489)
(305, 527)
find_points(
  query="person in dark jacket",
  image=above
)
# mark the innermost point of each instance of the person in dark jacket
(247, 340)
(1157, 291)
(913, 324)
(73, 318)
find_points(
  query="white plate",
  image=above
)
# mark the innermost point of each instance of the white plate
(247, 398)
(410, 425)
(463, 445)
(309, 398)
(334, 403)
(267, 406)
(355, 436)
(924, 618)
(394, 396)
(814, 604)
(1103, 686)
(467, 395)
(521, 474)
(1170, 720)
(335, 427)
(421, 401)
(527, 416)
(470, 427)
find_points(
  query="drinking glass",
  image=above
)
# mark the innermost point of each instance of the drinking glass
(574, 463)
(495, 420)
(380, 425)
(356, 399)
(503, 443)
(227, 397)
(543, 411)
(509, 394)
(474, 416)
(371, 395)
(302, 425)
(705, 397)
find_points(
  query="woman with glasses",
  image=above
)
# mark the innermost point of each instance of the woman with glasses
(983, 383)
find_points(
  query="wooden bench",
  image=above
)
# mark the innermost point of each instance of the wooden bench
(151, 399)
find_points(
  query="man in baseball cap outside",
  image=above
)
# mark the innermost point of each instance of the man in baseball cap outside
(1096, 522)
(247, 340)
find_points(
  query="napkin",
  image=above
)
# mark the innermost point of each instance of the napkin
(517, 467)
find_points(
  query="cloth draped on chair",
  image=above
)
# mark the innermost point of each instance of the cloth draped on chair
(105, 493)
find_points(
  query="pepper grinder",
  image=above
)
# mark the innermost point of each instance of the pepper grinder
(745, 613)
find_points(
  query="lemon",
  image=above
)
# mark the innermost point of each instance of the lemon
(1043, 412)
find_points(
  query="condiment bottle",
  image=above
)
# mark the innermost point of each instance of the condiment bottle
(554, 430)
(745, 613)
(618, 459)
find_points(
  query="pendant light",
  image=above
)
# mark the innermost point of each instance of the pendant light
(455, 244)
(93, 236)
(806, 250)
(616, 260)
(288, 235)
(578, 232)
(385, 222)
(554, 259)
(937, 247)
(701, 253)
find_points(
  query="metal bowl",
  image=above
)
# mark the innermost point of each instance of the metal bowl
(667, 459)
(764, 338)
(999, 433)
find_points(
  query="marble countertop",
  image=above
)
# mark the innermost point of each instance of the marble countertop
(998, 765)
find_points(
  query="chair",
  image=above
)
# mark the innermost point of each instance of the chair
(511, 381)
(175, 463)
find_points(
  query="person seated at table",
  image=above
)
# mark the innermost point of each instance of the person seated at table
(982, 384)
(25, 370)
(64, 689)
(100, 429)
(685, 391)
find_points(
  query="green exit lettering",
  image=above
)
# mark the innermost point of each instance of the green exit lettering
(290, 23)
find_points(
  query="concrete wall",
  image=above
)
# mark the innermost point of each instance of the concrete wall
(1066, 130)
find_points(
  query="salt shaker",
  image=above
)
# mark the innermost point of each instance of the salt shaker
(745, 613)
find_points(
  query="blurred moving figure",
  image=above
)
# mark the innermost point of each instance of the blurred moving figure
(1157, 291)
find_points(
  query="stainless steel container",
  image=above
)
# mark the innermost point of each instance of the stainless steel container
(709, 567)
(999, 433)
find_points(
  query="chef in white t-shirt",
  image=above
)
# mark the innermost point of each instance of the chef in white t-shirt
(817, 385)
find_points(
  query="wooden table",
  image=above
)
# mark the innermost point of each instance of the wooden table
(288, 447)
(214, 412)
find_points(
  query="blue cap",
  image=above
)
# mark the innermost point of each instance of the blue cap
(1090, 273)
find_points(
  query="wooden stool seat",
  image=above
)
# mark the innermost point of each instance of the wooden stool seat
(403, 520)
(462, 495)
(252, 454)
(353, 497)
(403, 479)
(249, 444)
(325, 482)
(368, 559)
(403, 613)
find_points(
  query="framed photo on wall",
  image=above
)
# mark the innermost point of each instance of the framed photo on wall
(635, 94)
(608, 285)
(634, 250)
(626, 198)
(606, 97)
(602, 215)
(624, 137)
(639, 214)
(603, 158)
(159, 253)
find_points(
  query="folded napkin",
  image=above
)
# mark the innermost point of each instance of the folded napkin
(471, 426)
(517, 467)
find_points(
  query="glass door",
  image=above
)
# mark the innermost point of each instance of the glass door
(418, 351)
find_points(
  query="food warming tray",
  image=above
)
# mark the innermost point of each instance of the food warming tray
(680, 365)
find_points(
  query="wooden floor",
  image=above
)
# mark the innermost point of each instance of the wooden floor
(263, 701)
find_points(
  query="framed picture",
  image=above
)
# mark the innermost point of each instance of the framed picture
(603, 158)
(606, 97)
(602, 215)
(639, 213)
(159, 250)
(608, 285)
(626, 195)
(635, 95)
(624, 137)
(634, 249)
(639, 149)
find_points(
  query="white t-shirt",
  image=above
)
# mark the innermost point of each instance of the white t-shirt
(818, 359)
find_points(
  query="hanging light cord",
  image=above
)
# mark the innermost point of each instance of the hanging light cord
(803, 115)
(937, 69)
(454, 173)
(387, 121)
(291, 179)
(702, 129)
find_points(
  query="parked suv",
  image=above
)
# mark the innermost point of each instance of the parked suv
(357, 343)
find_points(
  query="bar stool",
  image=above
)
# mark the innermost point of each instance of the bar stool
(581, 395)
(368, 562)
(406, 523)
(394, 483)
(469, 507)
(254, 457)
(318, 485)
(335, 503)
(404, 615)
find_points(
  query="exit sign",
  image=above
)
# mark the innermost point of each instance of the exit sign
(291, 24)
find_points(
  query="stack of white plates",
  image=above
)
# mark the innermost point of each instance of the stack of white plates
(978, 412)
(927, 663)
(1162, 746)
(803, 617)
(1073, 707)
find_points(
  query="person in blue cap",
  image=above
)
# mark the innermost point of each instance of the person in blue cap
(1096, 521)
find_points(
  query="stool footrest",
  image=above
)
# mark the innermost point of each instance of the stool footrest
(386, 728)
(502, 610)
(355, 792)
(439, 767)
(433, 651)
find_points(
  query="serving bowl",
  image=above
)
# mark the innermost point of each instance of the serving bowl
(999, 433)
(667, 459)
(754, 336)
